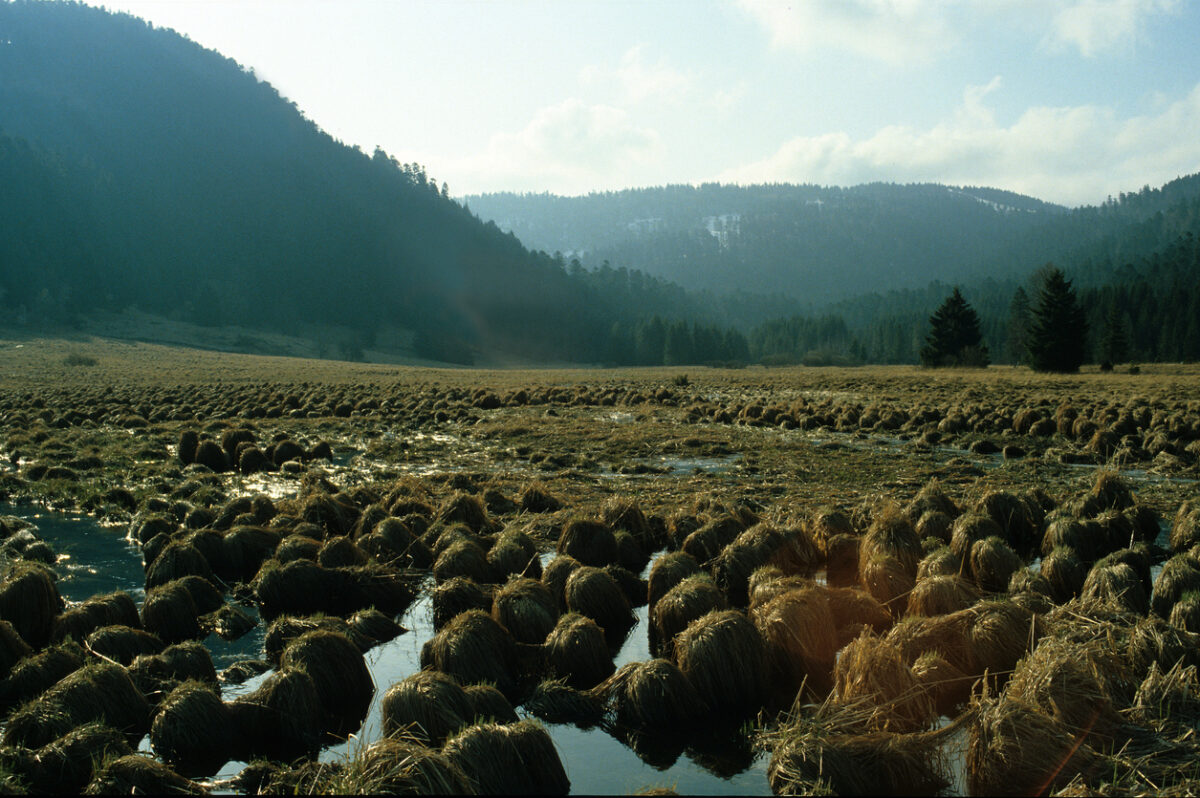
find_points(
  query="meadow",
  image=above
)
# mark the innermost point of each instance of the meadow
(880, 579)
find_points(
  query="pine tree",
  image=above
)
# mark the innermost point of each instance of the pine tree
(1114, 345)
(1018, 327)
(954, 338)
(1058, 329)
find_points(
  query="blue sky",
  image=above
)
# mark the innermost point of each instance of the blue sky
(1068, 100)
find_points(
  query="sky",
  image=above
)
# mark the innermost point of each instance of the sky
(1070, 101)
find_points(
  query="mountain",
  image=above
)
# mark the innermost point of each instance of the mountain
(143, 170)
(813, 243)
(824, 245)
(1135, 261)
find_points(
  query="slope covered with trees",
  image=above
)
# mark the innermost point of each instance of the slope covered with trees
(816, 244)
(143, 170)
(1147, 309)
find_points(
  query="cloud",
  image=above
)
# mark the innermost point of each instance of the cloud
(571, 147)
(640, 81)
(894, 31)
(903, 32)
(1097, 26)
(1073, 155)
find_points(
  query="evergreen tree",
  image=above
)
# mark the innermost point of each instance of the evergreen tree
(1114, 345)
(1058, 329)
(954, 339)
(1018, 327)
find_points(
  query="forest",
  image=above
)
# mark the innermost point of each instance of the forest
(145, 171)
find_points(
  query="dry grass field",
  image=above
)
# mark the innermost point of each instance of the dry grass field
(931, 526)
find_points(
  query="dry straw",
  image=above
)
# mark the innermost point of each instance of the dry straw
(592, 592)
(555, 576)
(1065, 572)
(66, 765)
(833, 751)
(590, 542)
(799, 631)
(891, 533)
(98, 692)
(947, 686)
(556, 702)
(826, 523)
(489, 704)
(667, 571)
(122, 644)
(339, 673)
(473, 648)
(516, 759)
(29, 600)
(941, 595)
(725, 658)
(769, 581)
(1015, 750)
(887, 579)
(457, 595)
(993, 562)
(707, 542)
(280, 720)
(652, 695)
(938, 562)
(690, 599)
(871, 669)
(427, 706)
(736, 562)
(1179, 575)
(1118, 583)
(191, 729)
(969, 528)
(135, 774)
(576, 651)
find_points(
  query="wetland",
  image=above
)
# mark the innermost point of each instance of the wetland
(381, 578)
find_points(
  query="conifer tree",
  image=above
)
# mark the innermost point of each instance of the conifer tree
(1114, 344)
(954, 338)
(1018, 327)
(1058, 330)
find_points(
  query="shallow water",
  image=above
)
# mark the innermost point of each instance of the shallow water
(96, 559)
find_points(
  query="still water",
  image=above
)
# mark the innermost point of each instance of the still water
(97, 559)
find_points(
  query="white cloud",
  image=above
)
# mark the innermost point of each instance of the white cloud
(895, 31)
(1097, 26)
(639, 80)
(571, 147)
(917, 31)
(1073, 155)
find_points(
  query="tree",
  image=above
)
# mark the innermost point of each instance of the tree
(1114, 343)
(1058, 328)
(954, 338)
(1018, 327)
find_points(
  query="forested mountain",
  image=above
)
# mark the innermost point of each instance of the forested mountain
(140, 169)
(815, 244)
(822, 245)
(1139, 281)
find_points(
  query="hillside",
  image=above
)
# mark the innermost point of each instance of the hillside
(823, 245)
(143, 170)
(813, 243)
